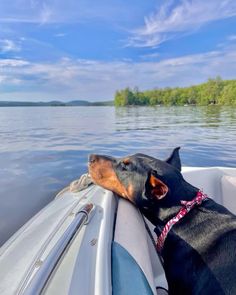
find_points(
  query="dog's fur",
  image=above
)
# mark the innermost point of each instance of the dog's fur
(200, 250)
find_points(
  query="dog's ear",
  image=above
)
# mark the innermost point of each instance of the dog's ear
(174, 159)
(155, 188)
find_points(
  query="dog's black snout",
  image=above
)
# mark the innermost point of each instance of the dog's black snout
(92, 158)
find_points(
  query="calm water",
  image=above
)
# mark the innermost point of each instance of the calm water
(43, 149)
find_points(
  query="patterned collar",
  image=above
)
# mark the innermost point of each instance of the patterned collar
(187, 206)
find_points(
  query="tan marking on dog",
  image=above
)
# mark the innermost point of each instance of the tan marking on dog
(130, 192)
(126, 161)
(159, 190)
(103, 174)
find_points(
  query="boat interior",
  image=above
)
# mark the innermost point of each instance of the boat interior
(89, 241)
(131, 234)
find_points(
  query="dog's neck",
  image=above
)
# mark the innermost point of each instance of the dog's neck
(165, 209)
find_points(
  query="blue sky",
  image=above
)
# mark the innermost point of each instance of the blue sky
(84, 49)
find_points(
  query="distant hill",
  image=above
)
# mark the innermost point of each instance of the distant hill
(78, 103)
(103, 103)
(54, 103)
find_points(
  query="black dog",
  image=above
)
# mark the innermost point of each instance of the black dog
(199, 251)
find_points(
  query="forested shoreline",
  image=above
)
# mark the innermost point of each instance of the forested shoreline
(214, 91)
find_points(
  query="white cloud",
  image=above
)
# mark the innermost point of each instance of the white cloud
(9, 63)
(70, 11)
(2, 78)
(69, 79)
(7, 45)
(171, 21)
(232, 38)
(30, 11)
(45, 14)
(60, 35)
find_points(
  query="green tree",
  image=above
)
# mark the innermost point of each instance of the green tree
(124, 97)
(214, 91)
(211, 91)
(228, 96)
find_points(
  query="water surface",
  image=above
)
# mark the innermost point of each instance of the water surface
(43, 149)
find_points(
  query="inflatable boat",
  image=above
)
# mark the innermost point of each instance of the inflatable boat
(89, 241)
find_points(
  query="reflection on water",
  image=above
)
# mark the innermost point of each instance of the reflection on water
(207, 135)
(43, 149)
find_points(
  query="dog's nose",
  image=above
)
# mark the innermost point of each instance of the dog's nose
(92, 158)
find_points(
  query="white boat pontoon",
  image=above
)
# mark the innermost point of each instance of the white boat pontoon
(88, 241)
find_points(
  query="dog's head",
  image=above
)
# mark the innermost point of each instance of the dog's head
(139, 178)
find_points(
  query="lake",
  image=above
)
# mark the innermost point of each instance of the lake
(45, 148)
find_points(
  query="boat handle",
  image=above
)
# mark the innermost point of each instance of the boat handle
(44, 268)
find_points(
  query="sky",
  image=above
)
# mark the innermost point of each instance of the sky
(87, 49)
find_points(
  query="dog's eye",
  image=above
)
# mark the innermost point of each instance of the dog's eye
(124, 165)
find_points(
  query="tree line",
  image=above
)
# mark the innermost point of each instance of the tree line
(214, 91)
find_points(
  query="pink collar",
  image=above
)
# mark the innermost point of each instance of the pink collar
(188, 206)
